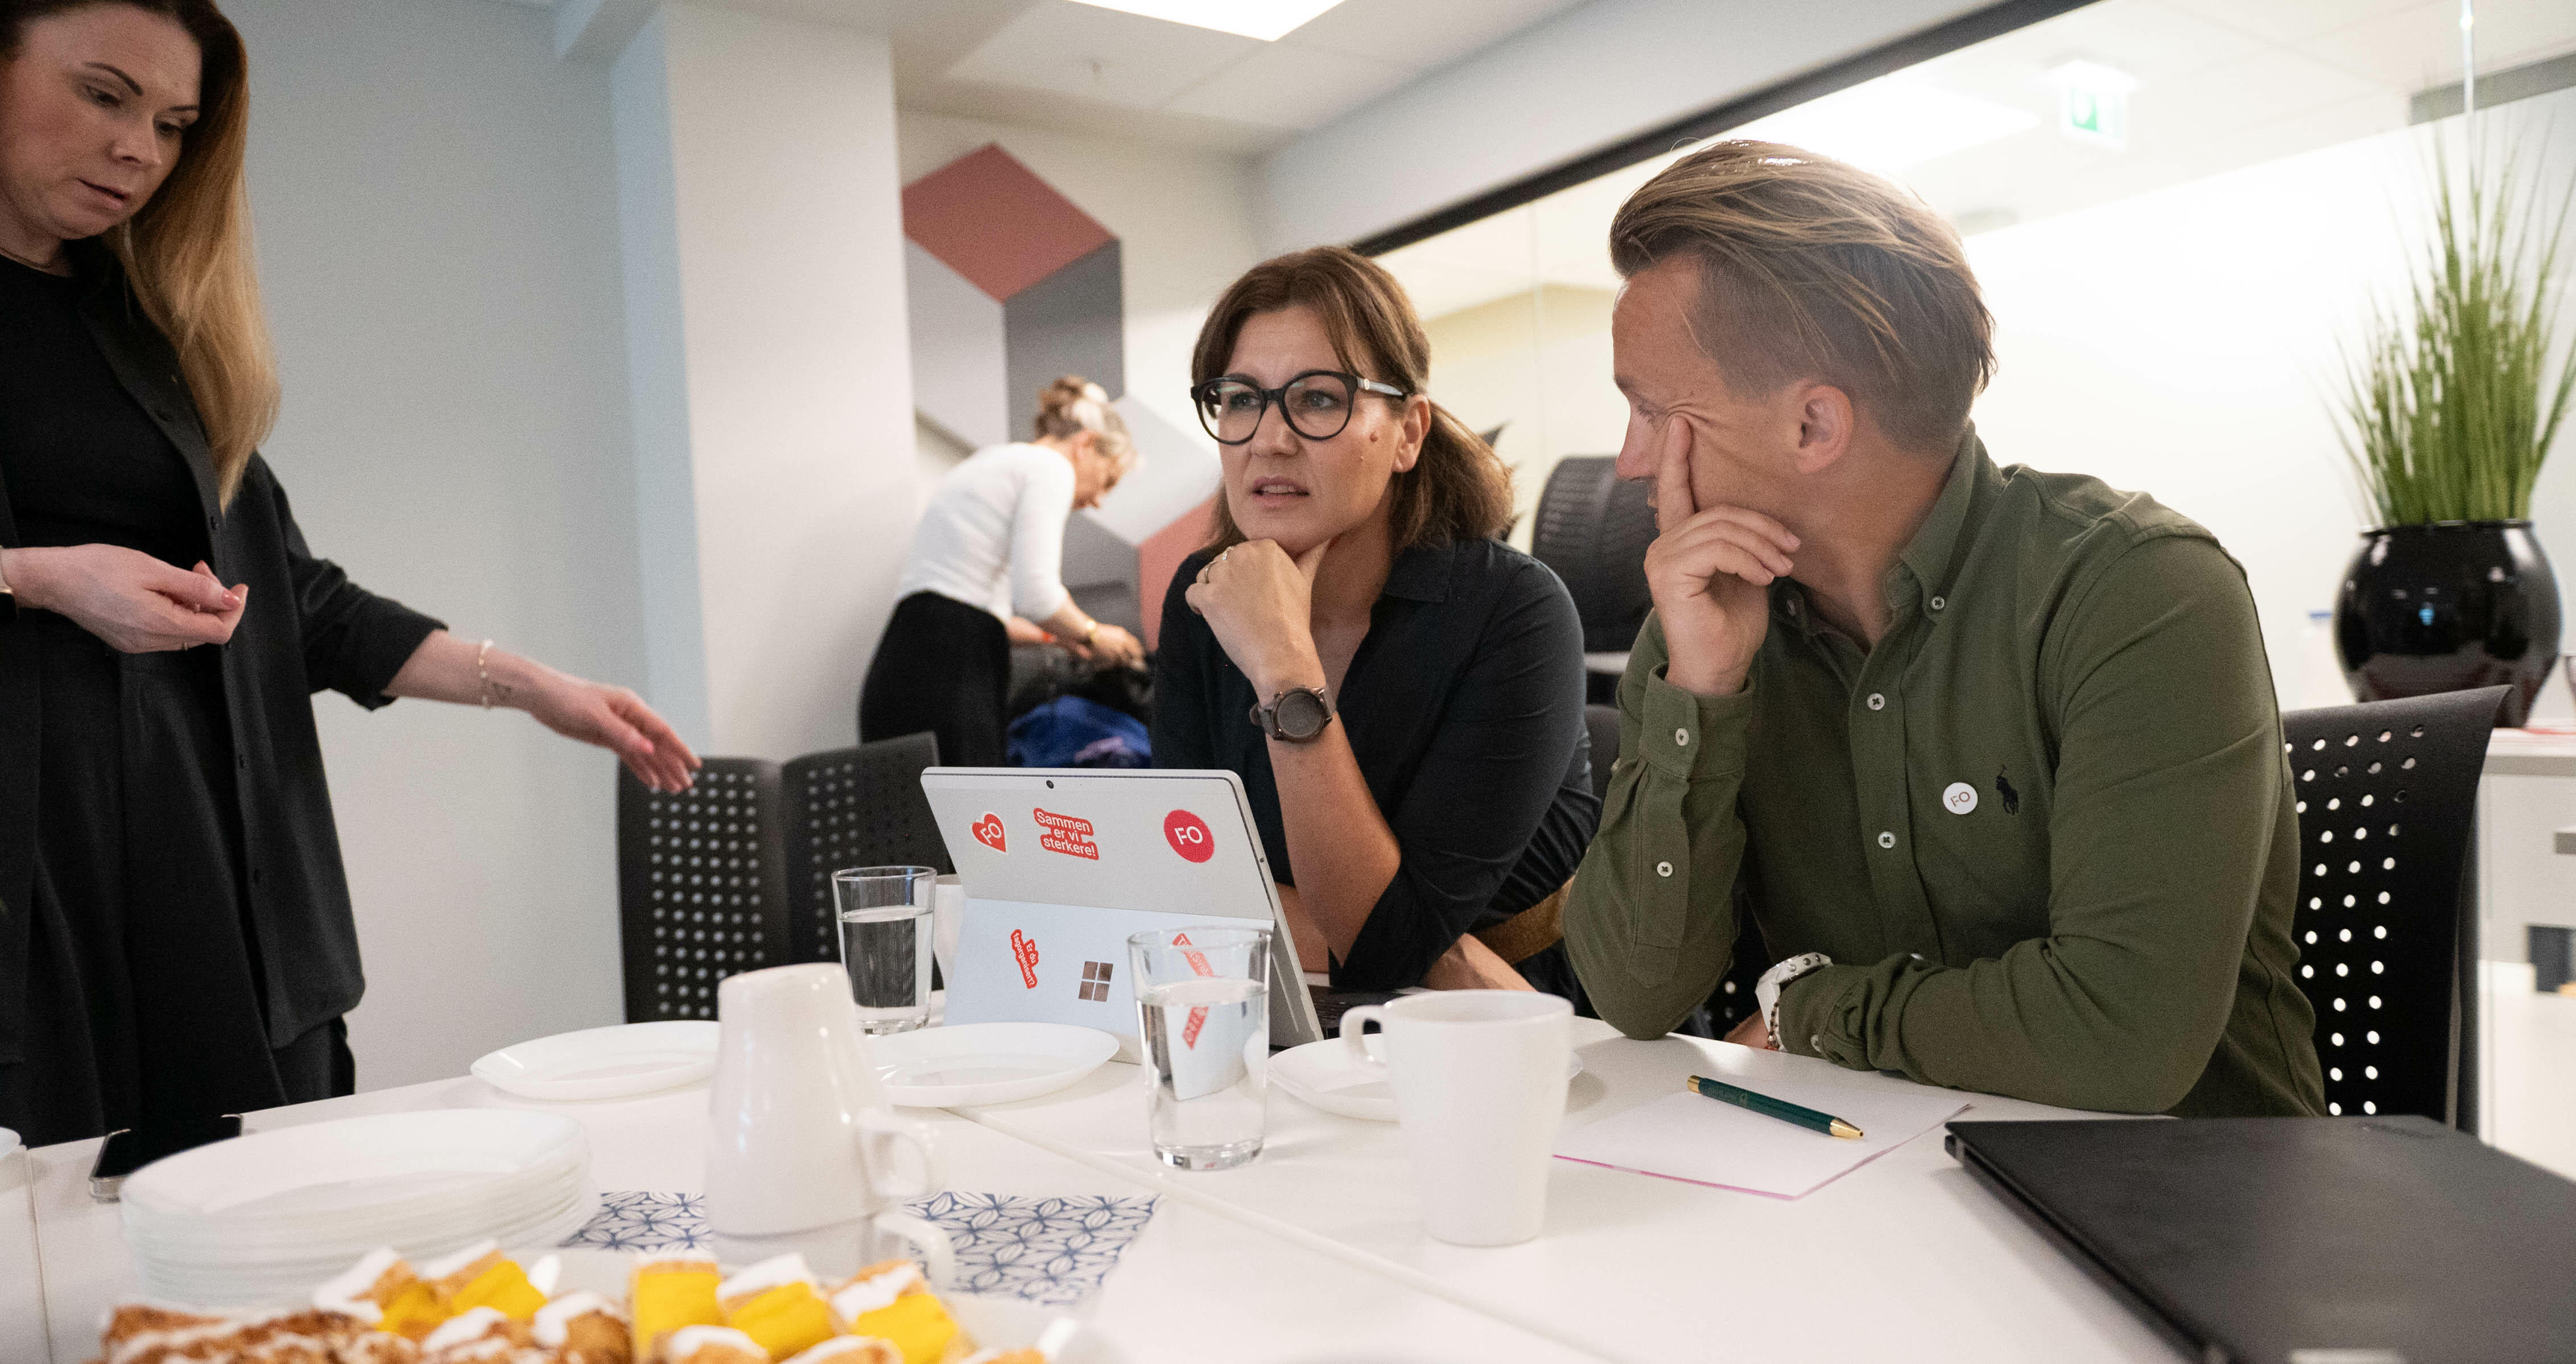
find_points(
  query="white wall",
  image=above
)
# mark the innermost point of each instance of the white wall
(438, 244)
(1557, 90)
(1183, 217)
(783, 271)
(2183, 342)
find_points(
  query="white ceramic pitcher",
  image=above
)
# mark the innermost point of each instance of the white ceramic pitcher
(801, 1143)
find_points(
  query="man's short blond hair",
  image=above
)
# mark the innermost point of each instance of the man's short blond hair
(1814, 270)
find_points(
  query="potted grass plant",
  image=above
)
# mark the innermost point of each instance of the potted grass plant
(2448, 406)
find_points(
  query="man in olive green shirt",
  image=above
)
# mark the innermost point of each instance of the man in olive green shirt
(1990, 755)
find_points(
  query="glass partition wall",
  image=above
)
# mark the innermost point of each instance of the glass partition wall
(2181, 211)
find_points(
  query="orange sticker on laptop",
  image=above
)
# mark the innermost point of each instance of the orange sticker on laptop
(1024, 950)
(1188, 835)
(988, 831)
(1066, 834)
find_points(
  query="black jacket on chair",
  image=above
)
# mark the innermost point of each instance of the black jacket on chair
(307, 627)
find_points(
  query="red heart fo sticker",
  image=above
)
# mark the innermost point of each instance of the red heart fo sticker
(1188, 835)
(988, 831)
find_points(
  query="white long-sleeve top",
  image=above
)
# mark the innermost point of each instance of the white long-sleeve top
(993, 535)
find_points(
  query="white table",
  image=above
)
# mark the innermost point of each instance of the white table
(1313, 1251)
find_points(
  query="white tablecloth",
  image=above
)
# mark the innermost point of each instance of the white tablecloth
(1313, 1252)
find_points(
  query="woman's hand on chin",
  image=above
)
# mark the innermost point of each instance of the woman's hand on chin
(1259, 602)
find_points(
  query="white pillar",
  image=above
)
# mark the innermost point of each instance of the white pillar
(763, 221)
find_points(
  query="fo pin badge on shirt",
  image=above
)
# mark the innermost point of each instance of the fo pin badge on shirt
(1959, 798)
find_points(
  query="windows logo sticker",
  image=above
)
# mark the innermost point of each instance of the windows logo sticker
(1095, 982)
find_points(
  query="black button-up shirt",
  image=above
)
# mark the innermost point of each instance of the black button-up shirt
(1464, 706)
(307, 628)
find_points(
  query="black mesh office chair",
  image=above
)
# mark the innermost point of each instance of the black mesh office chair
(735, 873)
(1593, 530)
(701, 885)
(2387, 800)
(854, 807)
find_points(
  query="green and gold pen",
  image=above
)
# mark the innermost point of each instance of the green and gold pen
(1769, 1107)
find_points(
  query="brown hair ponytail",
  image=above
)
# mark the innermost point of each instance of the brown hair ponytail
(1458, 489)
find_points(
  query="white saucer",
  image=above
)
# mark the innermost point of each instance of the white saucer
(985, 1063)
(1325, 1075)
(604, 1063)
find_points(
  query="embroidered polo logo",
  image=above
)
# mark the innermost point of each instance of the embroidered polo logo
(2004, 788)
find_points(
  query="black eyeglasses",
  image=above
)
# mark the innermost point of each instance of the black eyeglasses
(1317, 404)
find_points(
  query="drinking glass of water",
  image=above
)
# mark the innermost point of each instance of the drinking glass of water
(1203, 1002)
(885, 943)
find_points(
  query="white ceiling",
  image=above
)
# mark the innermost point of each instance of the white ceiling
(1079, 68)
(2224, 83)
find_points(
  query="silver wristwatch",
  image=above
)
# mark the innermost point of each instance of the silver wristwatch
(1766, 991)
(1296, 715)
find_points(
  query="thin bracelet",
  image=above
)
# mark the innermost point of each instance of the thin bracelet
(483, 676)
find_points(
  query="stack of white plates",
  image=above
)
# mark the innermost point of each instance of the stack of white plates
(265, 1219)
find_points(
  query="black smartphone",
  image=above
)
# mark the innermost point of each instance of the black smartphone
(129, 1149)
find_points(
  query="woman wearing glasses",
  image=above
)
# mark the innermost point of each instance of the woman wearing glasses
(987, 572)
(1401, 693)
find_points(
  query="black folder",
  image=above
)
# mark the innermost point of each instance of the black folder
(2302, 1240)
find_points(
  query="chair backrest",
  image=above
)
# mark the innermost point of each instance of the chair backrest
(854, 807)
(2387, 800)
(1593, 530)
(701, 885)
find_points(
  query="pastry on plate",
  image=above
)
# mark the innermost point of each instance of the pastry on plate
(712, 1345)
(583, 1328)
(775, 1303)
(892, 1301)
(671, 1290)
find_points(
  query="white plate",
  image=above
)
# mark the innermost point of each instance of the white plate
(985, 1063)
(265, 1217)
(604, 1063)
(370, 1165)
(1325, 1075)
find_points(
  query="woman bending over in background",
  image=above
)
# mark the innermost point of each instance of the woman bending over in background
(987, 560)
(1418, 765)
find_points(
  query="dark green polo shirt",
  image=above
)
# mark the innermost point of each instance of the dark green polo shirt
(2044, 829)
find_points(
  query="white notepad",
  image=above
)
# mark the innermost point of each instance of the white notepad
(1703, 1141)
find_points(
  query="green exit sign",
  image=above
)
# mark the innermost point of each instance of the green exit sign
(2093, 102)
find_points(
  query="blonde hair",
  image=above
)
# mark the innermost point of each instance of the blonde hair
(1458, 490)
(1812, 269)
(1072, 405)
(187, 252)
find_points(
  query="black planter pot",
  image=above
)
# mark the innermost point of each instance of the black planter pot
(2446, 607)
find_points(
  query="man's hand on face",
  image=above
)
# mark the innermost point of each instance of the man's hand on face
(1709, 571)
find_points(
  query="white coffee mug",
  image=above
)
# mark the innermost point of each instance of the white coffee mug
(801, 1143)
(1479, 1080)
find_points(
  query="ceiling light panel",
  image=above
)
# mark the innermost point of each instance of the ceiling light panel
(1262, 19)
(1891, 123)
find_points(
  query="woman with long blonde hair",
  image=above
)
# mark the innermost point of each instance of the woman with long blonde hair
(176, 938)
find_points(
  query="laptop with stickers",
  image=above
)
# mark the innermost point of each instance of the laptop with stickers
(1061, 865)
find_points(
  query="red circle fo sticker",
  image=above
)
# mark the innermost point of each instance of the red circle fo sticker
(1188, 835)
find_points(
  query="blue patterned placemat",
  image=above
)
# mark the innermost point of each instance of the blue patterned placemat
(1053, 1251)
